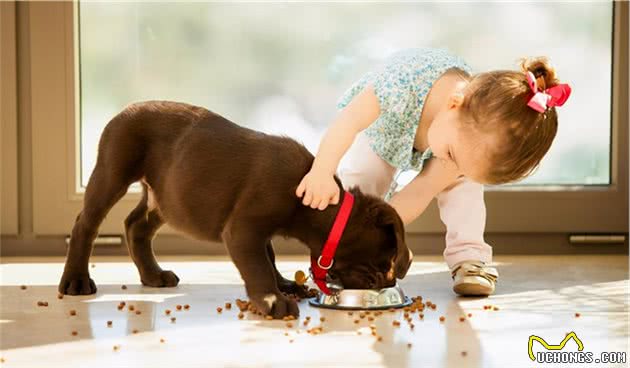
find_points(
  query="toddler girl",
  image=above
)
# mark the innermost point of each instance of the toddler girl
(424, 110)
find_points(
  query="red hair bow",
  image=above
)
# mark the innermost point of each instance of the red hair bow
(554, 96)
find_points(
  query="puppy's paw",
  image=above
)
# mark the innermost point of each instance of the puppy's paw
(291, 287)
(160, 279)
(75, 284)
(275, 305)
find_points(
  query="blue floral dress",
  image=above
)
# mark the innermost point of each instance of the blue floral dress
(401, 85)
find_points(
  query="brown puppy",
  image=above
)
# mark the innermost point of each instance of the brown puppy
(214, 180)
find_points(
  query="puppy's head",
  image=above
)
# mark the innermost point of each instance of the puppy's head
(372, 252)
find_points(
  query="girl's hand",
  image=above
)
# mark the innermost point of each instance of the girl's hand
(318, 189)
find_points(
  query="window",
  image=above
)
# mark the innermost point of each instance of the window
(280, 67)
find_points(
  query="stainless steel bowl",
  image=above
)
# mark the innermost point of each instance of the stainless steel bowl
(354, 299)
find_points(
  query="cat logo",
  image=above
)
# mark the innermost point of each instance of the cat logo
(560, 346)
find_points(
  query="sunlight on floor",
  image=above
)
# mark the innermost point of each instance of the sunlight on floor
(535, 296)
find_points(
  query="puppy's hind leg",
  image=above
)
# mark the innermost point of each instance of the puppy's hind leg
(140, 228)
(102, 192)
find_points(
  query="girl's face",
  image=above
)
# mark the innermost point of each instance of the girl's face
(456, 145)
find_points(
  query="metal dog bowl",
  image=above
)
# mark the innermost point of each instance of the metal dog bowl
(354, 299)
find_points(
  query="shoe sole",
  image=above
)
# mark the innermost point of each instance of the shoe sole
(469, 289)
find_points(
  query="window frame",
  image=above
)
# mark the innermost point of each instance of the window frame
(57, 199)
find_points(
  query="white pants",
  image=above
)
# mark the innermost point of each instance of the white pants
(462, 208)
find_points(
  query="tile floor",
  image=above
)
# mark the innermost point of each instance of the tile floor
(536, 295)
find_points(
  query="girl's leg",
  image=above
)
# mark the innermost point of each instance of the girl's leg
(362, 167)
(463, 211)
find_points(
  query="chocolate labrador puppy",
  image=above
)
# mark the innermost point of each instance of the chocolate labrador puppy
(214, 180)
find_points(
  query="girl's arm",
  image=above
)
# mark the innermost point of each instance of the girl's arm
(414, 198)
(318, 187)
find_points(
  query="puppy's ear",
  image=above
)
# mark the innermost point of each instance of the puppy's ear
(404, 256)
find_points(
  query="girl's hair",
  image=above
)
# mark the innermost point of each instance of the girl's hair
(496, 103)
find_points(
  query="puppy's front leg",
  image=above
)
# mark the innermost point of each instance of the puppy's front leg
(285, 286)
(249, 253)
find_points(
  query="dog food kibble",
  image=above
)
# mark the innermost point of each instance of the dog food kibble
(187, 307)
(577, 315)
(173, 319)
(167, 312)
(178, 307)
(433, 306)
(464, 353)
(411, 326)
(109, 323)
(406, 315)
(40, 304)
(268, 317)
(361, 315)
(396, 323)
(241, 315)
(120, 307)
(442, 318)
(116, 347)
(469, 315)
(300, 277)
(322, 319)
(392, 310)
(131, 308)
(380, 338)
(134, 331)
(138, 312)
(378, 313)
(495, 308)
(124, 287)
(23, 287)
(228, 305)
(289, 325)
(242, 305)
(409, 345)
(219, 309)
(421, 315)
(462, 319)
(356, 321)
(73, 312)
(74, 333)
(370, 318)
(162, 341)
(122, 304)
(59, 296)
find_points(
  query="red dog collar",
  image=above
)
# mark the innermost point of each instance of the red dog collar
(321, 265)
